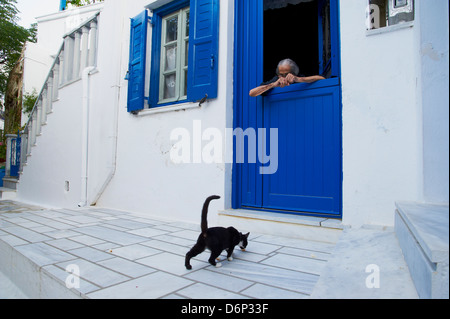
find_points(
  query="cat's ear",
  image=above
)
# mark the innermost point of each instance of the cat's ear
(246, 235)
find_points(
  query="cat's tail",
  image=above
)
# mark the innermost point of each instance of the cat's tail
(204, 223)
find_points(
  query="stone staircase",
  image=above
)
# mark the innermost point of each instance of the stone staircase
(423, 234)
(77, 52)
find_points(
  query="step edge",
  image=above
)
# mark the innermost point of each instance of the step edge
(322, 222)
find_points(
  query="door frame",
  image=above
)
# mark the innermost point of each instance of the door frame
(248, 45)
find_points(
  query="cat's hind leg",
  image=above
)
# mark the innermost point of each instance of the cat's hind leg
(196, 250)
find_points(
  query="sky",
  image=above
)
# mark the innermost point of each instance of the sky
(30, 9)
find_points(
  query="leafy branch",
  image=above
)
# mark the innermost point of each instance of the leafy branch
(80, 3)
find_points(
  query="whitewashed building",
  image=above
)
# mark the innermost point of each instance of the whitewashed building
(119, 123)
(146, 109)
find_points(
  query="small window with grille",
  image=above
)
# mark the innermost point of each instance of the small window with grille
(385, 13)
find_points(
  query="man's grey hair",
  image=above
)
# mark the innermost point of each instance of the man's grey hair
(294, 67)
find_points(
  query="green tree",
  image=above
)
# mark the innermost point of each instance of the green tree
(12, 39)
(80, 3)
(29, 100)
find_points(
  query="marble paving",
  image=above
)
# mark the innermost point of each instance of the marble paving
(126, 255)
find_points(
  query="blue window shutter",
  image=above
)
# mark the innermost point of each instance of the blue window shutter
(136, 68)
(203, 49)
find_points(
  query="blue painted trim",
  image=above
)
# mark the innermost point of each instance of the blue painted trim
(337, 16)
(203, 50)
(320, 33)
(248, 73)
(335, 39)
(15, 156)
(244, 10)
(137, 62)
(235, 176)
(62, 5)
(306, 86)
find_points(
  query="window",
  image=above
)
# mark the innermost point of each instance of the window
(183, 52)
(174, 53)
(384, 13)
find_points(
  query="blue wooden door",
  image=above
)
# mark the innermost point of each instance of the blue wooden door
(307, 117)
(15, 155)
(308, 178)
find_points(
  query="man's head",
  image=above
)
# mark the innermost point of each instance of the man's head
(287, 66)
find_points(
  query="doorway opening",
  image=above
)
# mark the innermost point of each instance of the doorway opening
(291, 32)
(307, 116)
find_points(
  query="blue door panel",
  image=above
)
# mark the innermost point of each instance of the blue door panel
(308, 176)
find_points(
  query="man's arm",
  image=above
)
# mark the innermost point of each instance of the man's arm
(281, 82)
(311, 79)
(261, 89)
(307, 79)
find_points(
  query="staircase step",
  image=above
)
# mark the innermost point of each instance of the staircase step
(320, 229)
(10, 182)
(423, 233)
(30, 279)
(7, 193)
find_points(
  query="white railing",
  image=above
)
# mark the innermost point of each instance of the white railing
(78, 51)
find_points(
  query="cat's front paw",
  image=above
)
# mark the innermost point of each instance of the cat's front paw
(230, 258)
(218, 265)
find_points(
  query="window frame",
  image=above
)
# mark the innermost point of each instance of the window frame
(373, 10)
(156, 54)
(180, 63)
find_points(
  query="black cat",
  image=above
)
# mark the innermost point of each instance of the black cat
(216, 239)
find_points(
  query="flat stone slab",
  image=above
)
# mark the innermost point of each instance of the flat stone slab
(366, 264)
(430, 226)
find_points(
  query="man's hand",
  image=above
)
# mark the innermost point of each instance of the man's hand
(291, 79)
(282, 82)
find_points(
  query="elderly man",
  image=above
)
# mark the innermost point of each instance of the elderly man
(287, 74)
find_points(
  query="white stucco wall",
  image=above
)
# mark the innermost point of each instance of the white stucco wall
(146, 180)
(39, 56)
(381, 119)
(434, 84)
(52, 27)
(56, 157)
(37, 63)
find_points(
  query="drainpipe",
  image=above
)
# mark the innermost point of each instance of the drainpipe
(85, 136)
(112, 167)
(114, 135)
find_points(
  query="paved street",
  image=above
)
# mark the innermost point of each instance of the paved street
(126, 255)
